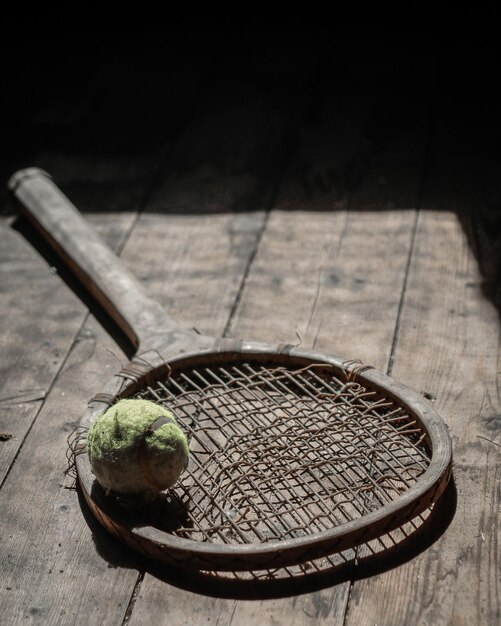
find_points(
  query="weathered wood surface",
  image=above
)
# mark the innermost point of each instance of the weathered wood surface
(452, 332)
(279, 213)
(47, 523)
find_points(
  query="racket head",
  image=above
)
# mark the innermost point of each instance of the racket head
(294, 455)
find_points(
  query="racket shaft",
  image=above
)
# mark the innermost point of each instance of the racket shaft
(95, 265)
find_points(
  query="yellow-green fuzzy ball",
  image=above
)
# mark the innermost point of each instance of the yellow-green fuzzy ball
(136, 447)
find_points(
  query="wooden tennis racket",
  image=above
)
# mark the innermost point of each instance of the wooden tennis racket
(293, 454)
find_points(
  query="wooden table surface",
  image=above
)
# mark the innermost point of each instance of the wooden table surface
(264, 187)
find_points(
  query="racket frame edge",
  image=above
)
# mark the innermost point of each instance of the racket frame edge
(186, 553)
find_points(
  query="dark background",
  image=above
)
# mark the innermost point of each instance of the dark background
(49, 54)
(99, 84)
(448, 60)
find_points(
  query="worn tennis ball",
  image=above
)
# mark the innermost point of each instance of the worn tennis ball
(136, 447)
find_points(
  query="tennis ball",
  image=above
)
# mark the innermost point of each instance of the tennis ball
(136, 447)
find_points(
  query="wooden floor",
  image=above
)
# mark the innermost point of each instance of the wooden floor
(264, 187)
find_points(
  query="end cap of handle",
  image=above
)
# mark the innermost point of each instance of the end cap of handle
(30, 172)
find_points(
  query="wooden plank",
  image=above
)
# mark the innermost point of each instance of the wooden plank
(44, 530)
(309, 275)
(324, 301)
(448, 345)
(46, 539)
(36, 338)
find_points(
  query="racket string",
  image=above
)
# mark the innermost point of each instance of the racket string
(76, 444)
(354, 435)
(280, 453)
(284, 508)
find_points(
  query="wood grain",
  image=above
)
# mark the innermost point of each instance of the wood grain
(47, 544)
(323, 607)
(452, 332)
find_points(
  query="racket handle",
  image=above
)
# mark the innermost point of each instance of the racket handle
(95, 265)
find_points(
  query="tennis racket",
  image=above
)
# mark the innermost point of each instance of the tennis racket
(294, 454)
